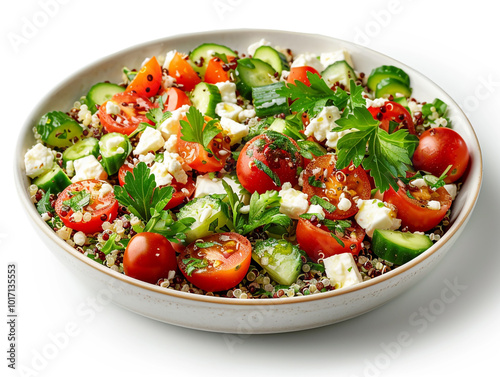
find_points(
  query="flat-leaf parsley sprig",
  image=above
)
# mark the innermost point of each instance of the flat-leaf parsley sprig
(195, 130)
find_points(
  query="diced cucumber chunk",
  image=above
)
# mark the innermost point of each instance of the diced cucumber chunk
(205, 98)
(286, 127)
(384, 72)
(58, 129)
(267, 102)
(56, 180)
(208, 215)
(393, 87)
(272, 57)
(206, 51)
(100, 93)
(399, 247)
(281, 260)
(340, 72)
(82, 148)
(115, 148)
(252, 73)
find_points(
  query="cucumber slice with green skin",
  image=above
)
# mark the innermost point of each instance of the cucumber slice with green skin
(205, 98)
(279, 258)
(340, 71)
(252, 73)
(82, 148)
(385, 72)
(100, 93)
(115, 148)
(392, 87)
(399, 247)
(58, 129)
(267, 102)
(285, 127)
(208, 215)
(206, 52)
(56, 180)
(272, 57)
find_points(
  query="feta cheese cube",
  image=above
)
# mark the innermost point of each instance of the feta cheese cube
(293, 202)
(168, 58)
(375, 214)
(151, 140)
(419, 182)
(328, 58)
(323, 123)
(333, 137)
(227, 91)
(171, 144)
(38, 160)
(206, 186)
(377, 102)
(342, 270)
(228, 110)
(316, 209)
(170, 168)
(254, 46)
(307, 59)
(452, 190)
(171, 125)
(434, 205)
(161, 173)
(147, 159)
(112, 108)
(88, 168)
(236, 131)
(246, 114)
(344, 203)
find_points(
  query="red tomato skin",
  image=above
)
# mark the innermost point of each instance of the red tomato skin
(176, 98)
(254, 179)
(184, 74)
(300, 73)
(393, 111)
(319, 243)
(122, 172)
(215, 72)
(95, 224)
(416, 217)
(147, 82)
(226, 276)
(149, 257)
(437, 149)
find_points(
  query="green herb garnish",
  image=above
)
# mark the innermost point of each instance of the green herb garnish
(78, 200)
(193, 264)
(195, 130)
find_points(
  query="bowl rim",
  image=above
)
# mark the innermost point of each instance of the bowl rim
(20, 179)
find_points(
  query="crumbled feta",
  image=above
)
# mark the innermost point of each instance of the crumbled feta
(246, 114)
(328, 58)
(228, 110)
(342, 270)
(344, 203)
(88, 168)
(256, 45)
(147, 158)
(434, 205)
(170, 168)
(168, 58)
(171, 144)
(112, 108)
(293, 202)
(316, 209)
(151, 140)
(38, 160)
(375, 214)
(171, 125)
(323, 123)
(452, 190)
(227, 91)
(377, 102)
(168, 81)
(161, 173)
(419, 182)
(207, 186)
(236, 131)
(105, 189)
(333, 137)
(307, 59)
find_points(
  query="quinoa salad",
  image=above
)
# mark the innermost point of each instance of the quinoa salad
(261, 173)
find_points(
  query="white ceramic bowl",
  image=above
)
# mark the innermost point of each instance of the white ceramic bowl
(233, 315)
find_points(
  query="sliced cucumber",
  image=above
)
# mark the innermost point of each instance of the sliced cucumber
(59, 129)
(286, 127)
(115, 148)
(206, 51)
(272, 57)
(280, 259)
(385, 72)
(252, 73)
(100, 93)
(205, 98)
(391, 86)
(55, 180)
(267, 102)
(399, 247)
(82, 148)
(340, 71)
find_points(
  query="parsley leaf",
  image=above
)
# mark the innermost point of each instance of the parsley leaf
(111, 245)
(356, 98)
(325, 204)
(266, 169)
(140, 194)
(193, 264)
(315, 182)
(78, 200)
(310, 149)
(204, 245)
(43, 205)
(195, 130)
(313, 98)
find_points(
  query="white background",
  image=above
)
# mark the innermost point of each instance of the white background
(454, 43)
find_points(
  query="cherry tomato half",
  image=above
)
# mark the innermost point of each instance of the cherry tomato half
(439, 148)
(342, 188)
(101, 207)
(393, 112)
(148, 80)
(149, 257)
(412, 204)
(133, 108)
(185, 76)
(318, 242)
(217, 71)
(267, 161)
(176, 98)
(217, 262)
(300, 73)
